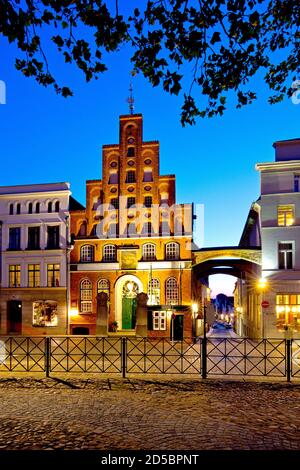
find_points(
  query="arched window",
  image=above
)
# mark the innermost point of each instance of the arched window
(149, 252)
(11, 209)
(49, 206)
(18, 208)
(103, 286)
(83, 229)
(172, 251)
(37, 208)
(30, 208)
(57, 206)
(86, 295)
(171, 291)
(154, 292)
(109, 253)
(87, 254)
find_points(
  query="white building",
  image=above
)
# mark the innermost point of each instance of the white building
(34, 258)
(280, 239)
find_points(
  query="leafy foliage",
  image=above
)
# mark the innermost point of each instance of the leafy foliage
(223, 42)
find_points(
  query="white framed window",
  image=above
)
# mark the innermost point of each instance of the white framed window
(87, 254)
(172, 291)
(103, 286)
(285, 215)
(149, 252)
(86, 295)
(172, 251)
(285, 255)
(109, 253)
(154, 292)
(159, 320)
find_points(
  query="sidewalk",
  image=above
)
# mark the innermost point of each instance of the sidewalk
(158, 414)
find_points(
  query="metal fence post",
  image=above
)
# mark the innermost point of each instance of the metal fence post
(288, 359)
(204, 357)
(47, 356)
(124, 357)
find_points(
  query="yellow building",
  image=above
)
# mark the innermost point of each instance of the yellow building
(132, 237)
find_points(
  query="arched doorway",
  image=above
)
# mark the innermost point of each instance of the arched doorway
(126, 290)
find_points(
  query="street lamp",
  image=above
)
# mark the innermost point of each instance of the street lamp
(262, 285)
(195, 310)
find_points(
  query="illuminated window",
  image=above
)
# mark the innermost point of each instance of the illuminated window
(172, 251)
(159, 321)
(103, 286)
(149, 252)
(14, 275)
(172, 291)
(109, 253)
(86, 296)
(53, 275)
(285, 215)
(33, 275)
(154, 292)
(87, 254)
(288, 311)
(285, 255)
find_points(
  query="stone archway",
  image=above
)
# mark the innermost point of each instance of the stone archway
(126, 289)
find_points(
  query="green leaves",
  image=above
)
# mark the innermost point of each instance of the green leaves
(206, 49)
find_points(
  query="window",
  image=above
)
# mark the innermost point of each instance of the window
(33, 275)
(53, 275)
(15, 238)
(149, 252)
(87, 254)
(109, 253)
(285, 215)
(86, 296)
(57, 206)
(115, 202)
(14, 275)
(148, 201)
(288, 311)
(147, 229)
(49, 207)
(30, 208)
(18, 208)
(37, 208)
(103, 286)
(11, 209)
(130, 152)
(44, 313)
(154, 292)
(148, 177)
(130, 178)
(171, 291)
(172, 251)
(130, 202)
(53, 237)
(159, 321)
(114, 178)
(285, 255)
(33, 238)
(296, 183)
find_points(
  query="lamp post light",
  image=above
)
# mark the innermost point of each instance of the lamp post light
(195, 310)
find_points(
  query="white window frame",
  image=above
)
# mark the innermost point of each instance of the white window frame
(159, 320)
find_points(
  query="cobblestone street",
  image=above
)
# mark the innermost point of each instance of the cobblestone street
(116, 414)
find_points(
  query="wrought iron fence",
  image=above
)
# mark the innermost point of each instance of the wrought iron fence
(115, 355)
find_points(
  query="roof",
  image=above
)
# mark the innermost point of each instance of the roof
(75, 205)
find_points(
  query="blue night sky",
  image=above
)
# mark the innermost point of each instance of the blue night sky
(46, 138)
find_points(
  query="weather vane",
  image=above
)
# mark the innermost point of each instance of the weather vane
(130, 100)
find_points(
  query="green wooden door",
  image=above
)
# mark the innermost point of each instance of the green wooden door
(128, 313)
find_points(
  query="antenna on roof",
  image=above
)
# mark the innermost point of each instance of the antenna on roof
(130, 100)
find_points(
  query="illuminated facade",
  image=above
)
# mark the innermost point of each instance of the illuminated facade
(132, 237)
(34, 251)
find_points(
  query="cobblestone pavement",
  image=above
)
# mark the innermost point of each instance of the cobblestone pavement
(157, 414)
